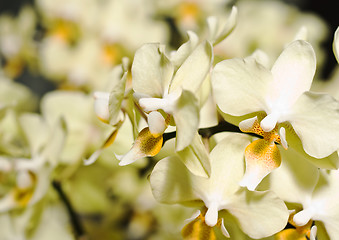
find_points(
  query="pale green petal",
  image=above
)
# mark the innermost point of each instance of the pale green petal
(151, 70)
(295, 179)
(196, 158)
(194, 69)
(172, 182)
(15, 95)
(260, 214)
(228, 164)
(185, 49)
(315, 119)
(36, 131)
(325, 202)
(240, 85)
(218, 30)
(55, 143)
(293, 73)
(75, 107)
(115, 99)
(186, 117)
(329, 162)
(336, 44)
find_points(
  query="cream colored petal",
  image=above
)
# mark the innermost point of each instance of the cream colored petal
(315, 119)
(196, 158)
(295, 179)
(151, 70)
(145, 145)
(260, 214)
(293, 73)
(239, 86)
(194, 69)
(186, 117)
(218, 30)
(172, 182)
(116, 97)
(336, 44)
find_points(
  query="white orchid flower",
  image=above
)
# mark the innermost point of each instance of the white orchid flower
(164, 90)
(259, 214)
(277, 105)
(300, 183)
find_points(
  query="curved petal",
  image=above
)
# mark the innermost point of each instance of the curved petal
(315, 119)
(239, 86)
(116, 97)
(227, 161)
(218, 31)
(186, 117)
(196, 158)
(260, 214)
(293, 73)
(145, 145)
(194, 69)
(336, 44)
(325, 204)
(172, 182)
(151, 70)
(295, 179)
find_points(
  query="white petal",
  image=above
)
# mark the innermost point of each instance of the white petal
(293, 73)
(315, 119)
(211, 217)
(282, 134)
(194, 69)
(260, 214)
(218, 31)
(186, 117)
(156, 123)
(336, 44)
(223, 229)
(239, 86)
(92, 158)
(151, 70)
(313, 234)
(101, 105)
(303, 217)
(172, 182)
(196, 158)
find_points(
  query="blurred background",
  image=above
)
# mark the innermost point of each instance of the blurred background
(55, 54)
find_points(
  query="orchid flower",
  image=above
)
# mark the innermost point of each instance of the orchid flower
(278, 105)
(311, 194)
(260, 214)
(164, 92)
(32, 174)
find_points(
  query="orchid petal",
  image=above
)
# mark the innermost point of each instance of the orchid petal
(196, 158)
(116, 97)
(233, 84)
(295, 179)
(185, 49)
(219, 31)
(260, 214)
(172, 182)
(101, 105)
(194, 69)
(186, 117)
(324, 202)
(151, 70)
(156, 123)
(262, 157)
(145, 145)
(336, 44)
(315, 119)
(293, 73)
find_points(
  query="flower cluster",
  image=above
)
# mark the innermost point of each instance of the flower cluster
(167, 120)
